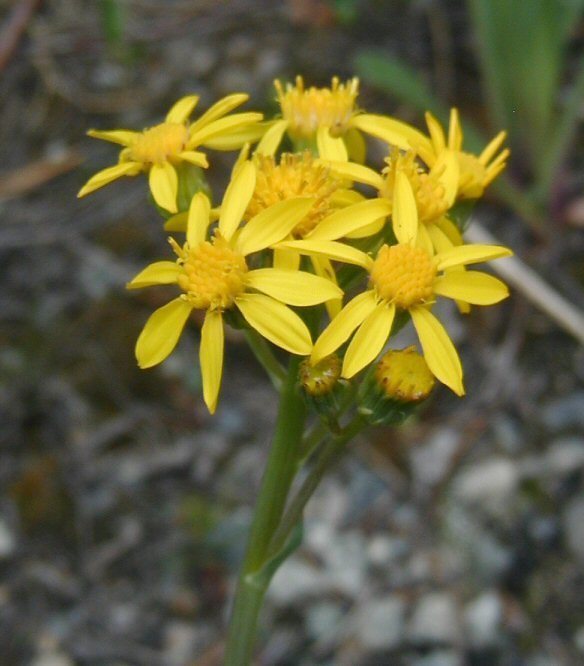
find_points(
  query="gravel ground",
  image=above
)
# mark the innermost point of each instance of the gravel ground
(457, 540)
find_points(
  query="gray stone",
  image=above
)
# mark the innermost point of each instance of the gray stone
(296, 581)
(564, 413)
(382, 550)
(431, 462)
(323, 620)
(573, 522)
(7, 541)
(482, 618)
(435, 620)
(379, 623)
(489, 484)
(346, 562)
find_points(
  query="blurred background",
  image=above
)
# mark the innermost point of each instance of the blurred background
(457, 540)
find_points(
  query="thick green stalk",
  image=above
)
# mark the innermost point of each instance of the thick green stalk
(326, 457)
(278, 476)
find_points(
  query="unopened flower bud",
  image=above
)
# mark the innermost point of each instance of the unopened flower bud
(399, 382)
(322, 385)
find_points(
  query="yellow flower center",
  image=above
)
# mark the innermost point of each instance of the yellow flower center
(403, 275)
(428, 190)
(403, 375)
(473, 174)
(308, 109)
(212, 274)
(159, 143)
(294, 176)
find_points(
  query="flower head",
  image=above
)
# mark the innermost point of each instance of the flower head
(158, 150)
(329, 121)
(214, 275)
(476, 172)
(405, 278)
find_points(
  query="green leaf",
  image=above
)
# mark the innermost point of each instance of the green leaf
(392, 75)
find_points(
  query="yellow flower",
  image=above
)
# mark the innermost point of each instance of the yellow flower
(159, 149)
(419, 201)
(475, 173)
(214, 276)
(405, 277)
(330, 117)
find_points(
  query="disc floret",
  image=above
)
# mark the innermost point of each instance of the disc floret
(403, 275)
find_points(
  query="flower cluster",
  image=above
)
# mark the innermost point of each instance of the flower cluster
(309, 247)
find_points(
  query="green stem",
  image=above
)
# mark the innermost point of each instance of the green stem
(265, 356)
(325, 458)
(278, 476)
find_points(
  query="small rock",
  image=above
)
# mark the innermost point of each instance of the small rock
(202, 58)
(573, 521)
(490, 484)
(7, 541)
(435, 620)
(579, 640)
(322, 620)
(564, 413)
(383, 550)
(379, 624)
(482, 618)
(431, 461)
(296, 581)
(180, 641)
(346, 561)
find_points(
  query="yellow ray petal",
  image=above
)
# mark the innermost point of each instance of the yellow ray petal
(276, 322)
(211, 357)
(164, 185)
(161, 333)
(323, 267)
(436, 133)
(439, 240)
(177, 222)
(286, 260)
(395, 133)
(341, 327)
(470, 254)
(491, 148)
(235, 139)
(272, 139)
(223, 127)
(439, 352)
(160, 272)
(356, 146)
(220, 108)
(448, 170)
(293, 287)
(272, 224)
(343, 197)
(106, 176)
(450, 230)
(356, 172)
(330, 147)
(195, 157)
(454, 131)
(330, 249)
(368, 230)
(350, 219)
(121, 137)
(472, 287)
(424, 240)
(368, 340)
(405, 211)
(182, 109)
(237, 196)
(198, 219)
